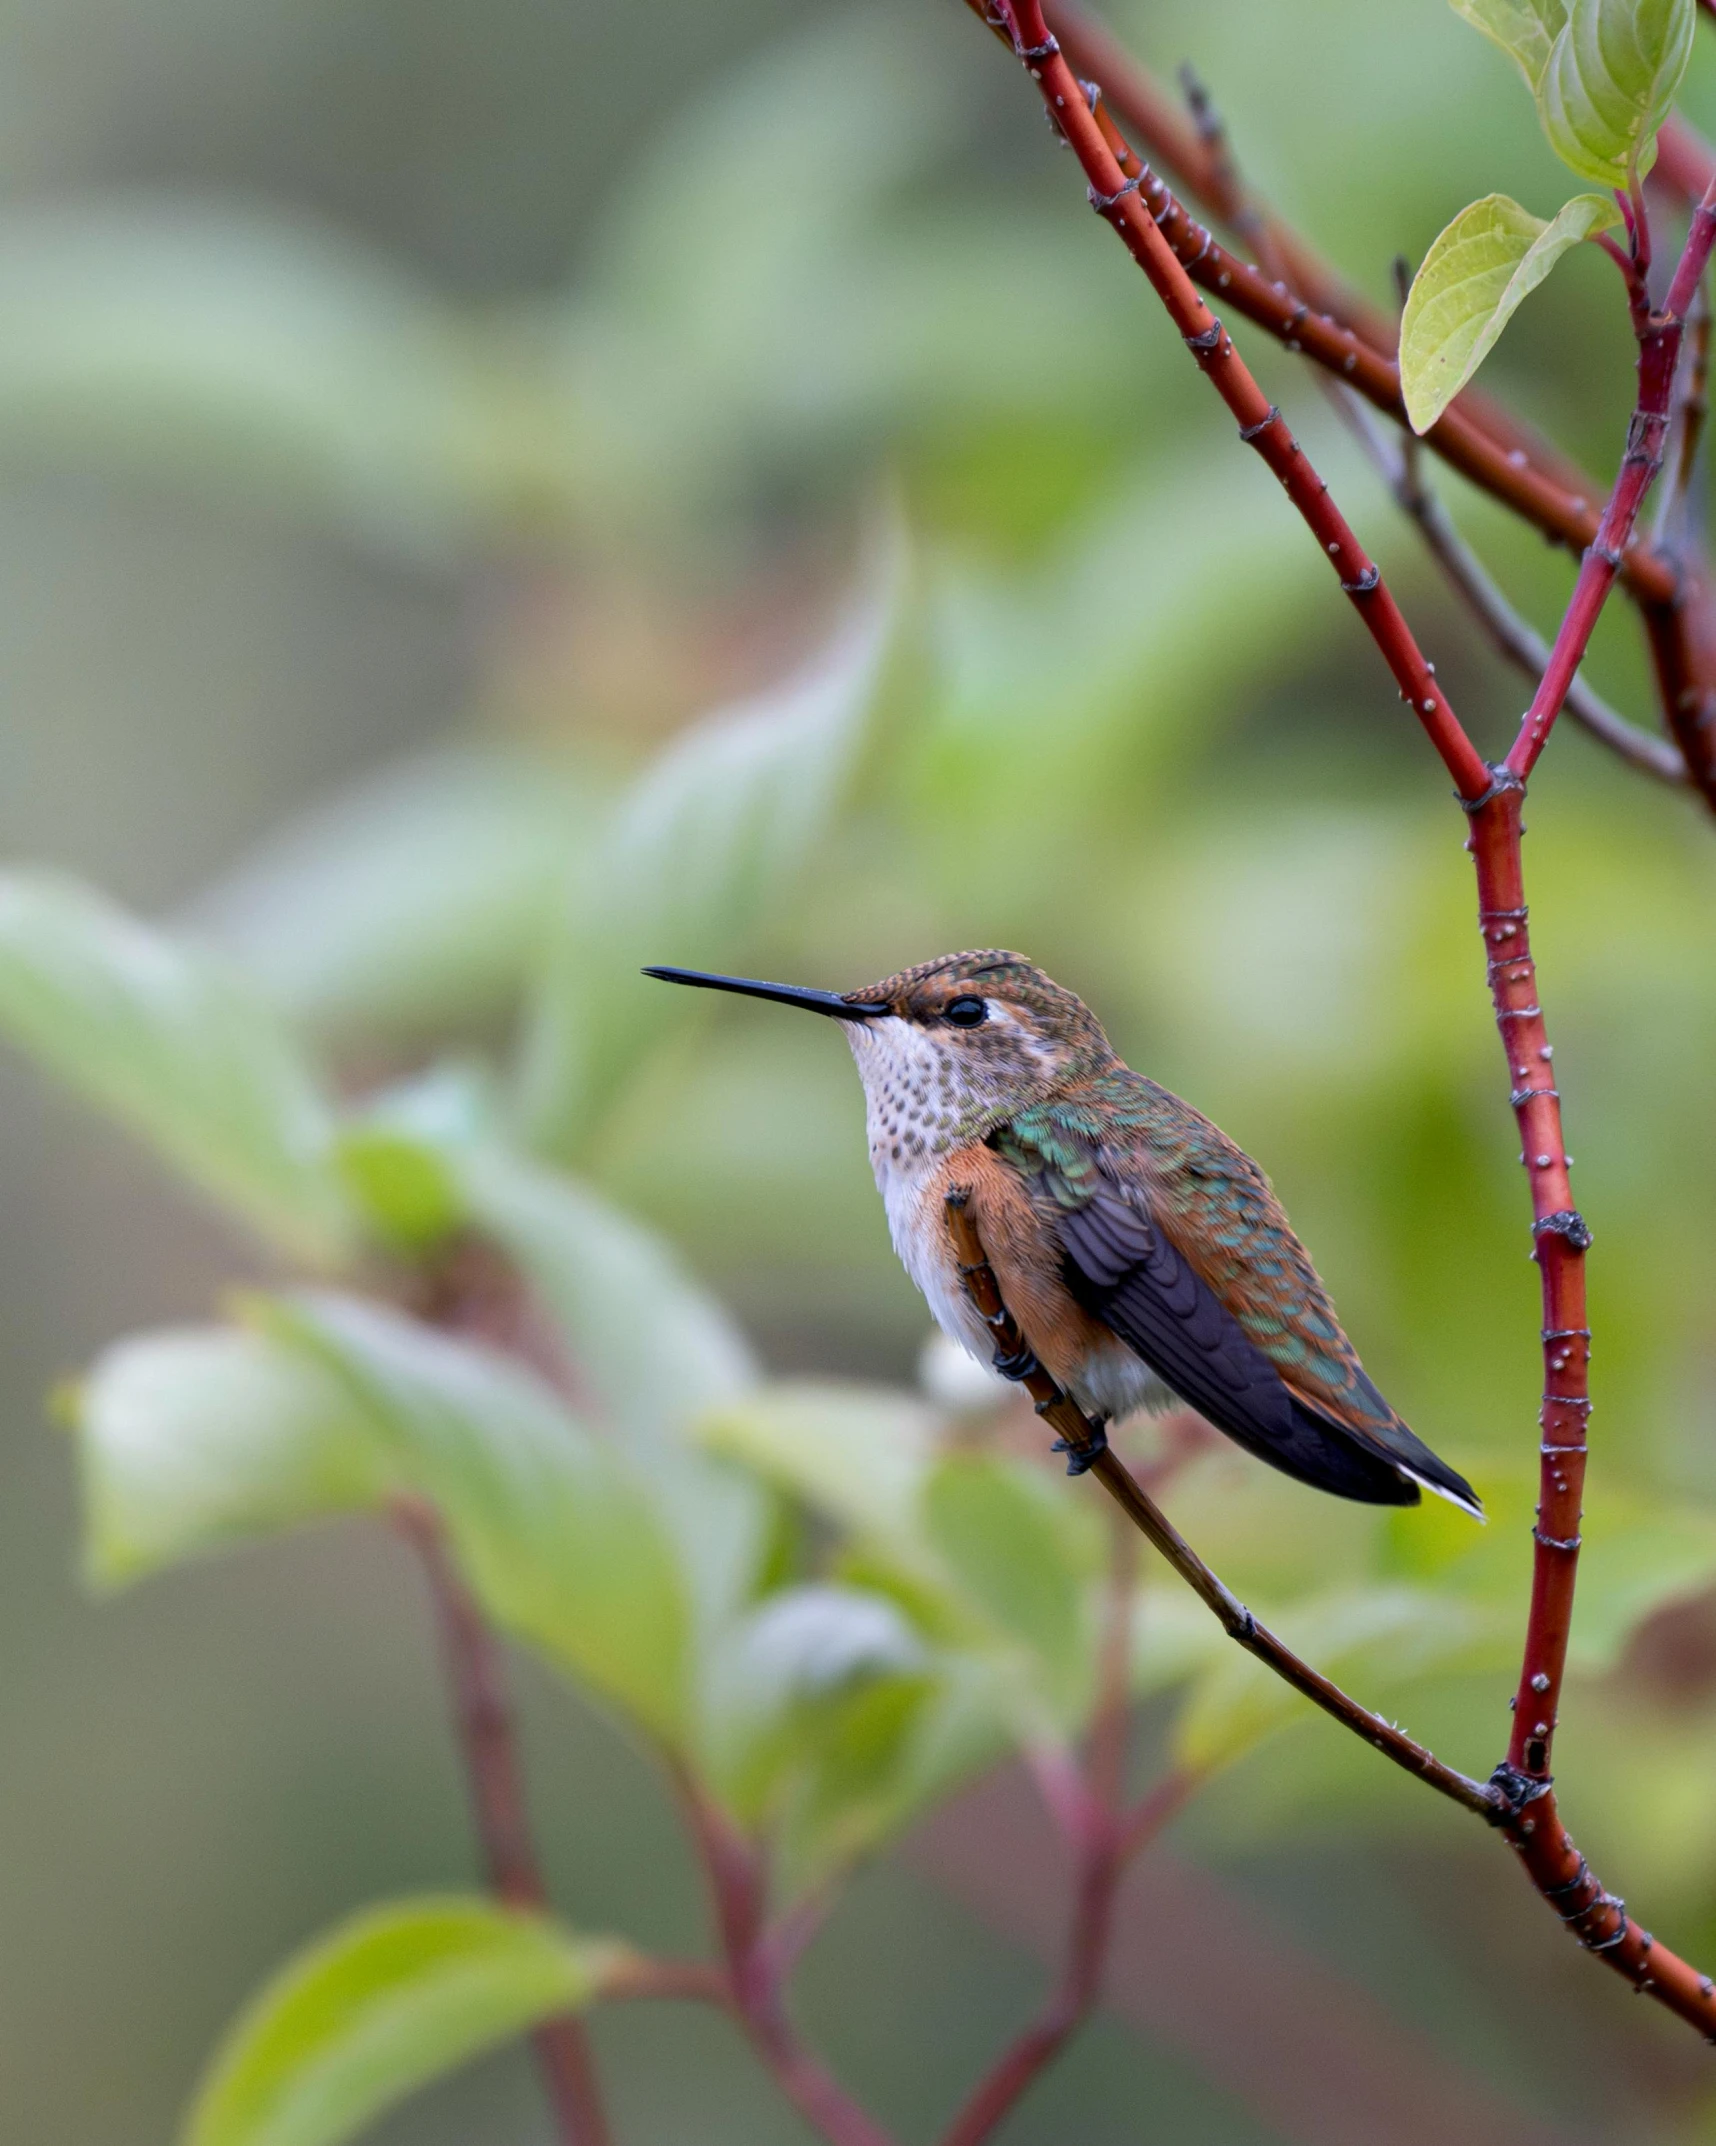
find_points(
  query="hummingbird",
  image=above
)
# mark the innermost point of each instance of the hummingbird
(1143, 1254)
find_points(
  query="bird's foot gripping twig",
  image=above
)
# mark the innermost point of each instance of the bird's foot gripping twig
(1081, 1458)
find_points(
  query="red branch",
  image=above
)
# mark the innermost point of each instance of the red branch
(1300, 301)
(484, 1724)
(1520, 1799)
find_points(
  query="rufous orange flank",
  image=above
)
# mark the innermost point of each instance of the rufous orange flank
(1141, 1253)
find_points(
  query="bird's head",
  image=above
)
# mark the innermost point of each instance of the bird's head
(955, 1044)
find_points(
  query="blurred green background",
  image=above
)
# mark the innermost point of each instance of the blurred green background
(409, 416)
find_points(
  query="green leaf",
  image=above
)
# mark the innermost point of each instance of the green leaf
(379, 2007)
(701, 853)
(167, 1040)
(655, 1350)
(1525, 29)
(859, 1455)
(189, 1441)
(557, 1538)
(1370, 1640)
(1609, 82)
(784, 1678)
(1027, 1555)
(415, 901)
(1489, 259)
(258, 354)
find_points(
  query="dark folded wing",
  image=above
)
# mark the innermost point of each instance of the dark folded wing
(1126, 1272)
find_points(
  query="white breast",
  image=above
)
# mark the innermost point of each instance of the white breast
(911, 1115)
(912, 1106)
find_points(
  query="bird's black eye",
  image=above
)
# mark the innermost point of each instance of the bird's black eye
(966, 1012)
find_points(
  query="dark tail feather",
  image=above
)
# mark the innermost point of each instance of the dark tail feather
(1404, 1462)
(1330, 1459)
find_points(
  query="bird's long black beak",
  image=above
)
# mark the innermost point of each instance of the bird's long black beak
(829, 1002)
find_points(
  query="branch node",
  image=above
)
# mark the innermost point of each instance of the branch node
(1370, 579)
(1514, 1790)
(1501, 778)
(1556, 1542)
(1567, 1223)
(1205, 341)
(1102, 203)
(1248, 433)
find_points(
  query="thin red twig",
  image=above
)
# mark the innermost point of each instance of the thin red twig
(1659, 337)
(1520, 1799)
(483, 1721)
(1400, 469)
(1301, 302)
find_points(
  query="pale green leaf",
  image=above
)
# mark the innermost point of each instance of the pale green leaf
(166, 1039)
(1473, 279)
(239, 351)
(654, 1347)
(654, 1350)
(830, 1723)
(198, 1438)
(558, 1539)
(385, 2003)
(416, 900)
(1524, 29)
(1370, 1640)
(1026, 1554)
(1609, 82)
(784, 1676)
(700, 854)
(857, 1454)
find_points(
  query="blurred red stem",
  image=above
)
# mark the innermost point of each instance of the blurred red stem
(483, 1721)
(1109, 1841)
(737, 1884)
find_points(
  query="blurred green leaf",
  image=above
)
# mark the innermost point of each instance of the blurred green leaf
(1473, 280)
(413, 902)
(1368, 1640)
(253, 354)
(1141, 590)
(194, 1439)
(557, 1538)
(654, 1349)
(831, 1724)
(984, 1553)
(167, 1040)
(859, 1455)
(800, 1661)
(386, 2002)
(1609, 82)
(1525, 29)
(702, 851)
(1642, 1551)
(1022, 1549)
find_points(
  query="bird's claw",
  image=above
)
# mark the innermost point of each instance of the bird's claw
(1080, 1458)
(1016, 1364)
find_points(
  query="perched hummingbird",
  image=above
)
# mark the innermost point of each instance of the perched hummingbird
(1141, 1253)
